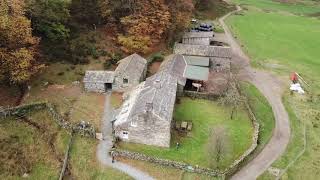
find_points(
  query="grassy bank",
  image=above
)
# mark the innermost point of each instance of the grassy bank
(33, 146)
(36, 148)
(281, 42)
(84, 164)
(263, 112)
(205, 116)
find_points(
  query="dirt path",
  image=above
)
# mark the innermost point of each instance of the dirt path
(272, 88)
(106, 144)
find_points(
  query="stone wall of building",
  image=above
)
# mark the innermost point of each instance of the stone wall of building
(149, 130)
(120, 85)
(220, 65)
(196, 40)
(94, 87)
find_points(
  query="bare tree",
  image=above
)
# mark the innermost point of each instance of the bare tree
(232, 98)
(217, 146)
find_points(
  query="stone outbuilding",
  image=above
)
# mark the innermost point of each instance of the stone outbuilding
(129, 73)
(98, 81)
(197, 38)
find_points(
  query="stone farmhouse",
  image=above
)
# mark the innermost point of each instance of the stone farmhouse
(129, 73)
(146, 116)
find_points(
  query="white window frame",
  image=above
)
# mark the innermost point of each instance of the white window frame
(134, 123)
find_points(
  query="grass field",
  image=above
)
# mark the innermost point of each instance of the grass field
(296, 7)
(205, 116)
(281, 42)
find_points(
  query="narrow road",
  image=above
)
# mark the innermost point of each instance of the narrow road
(272, 88)
(106, 144)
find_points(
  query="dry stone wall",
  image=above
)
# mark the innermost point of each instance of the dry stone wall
(82, 128)
(168, 163)
(199, 95)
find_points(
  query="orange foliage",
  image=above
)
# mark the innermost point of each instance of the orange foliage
(18, 46)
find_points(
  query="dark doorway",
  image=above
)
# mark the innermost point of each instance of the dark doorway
(107, 87)
(189, 86)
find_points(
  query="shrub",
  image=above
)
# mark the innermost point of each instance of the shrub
(157, 57)
(115, 57)
(135, 43)
(95, 54)
(112, 60)
(103, 53)
(107, 64)
(81, 47)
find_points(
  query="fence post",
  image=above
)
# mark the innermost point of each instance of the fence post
(66, 156)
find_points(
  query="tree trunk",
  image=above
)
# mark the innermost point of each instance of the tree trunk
(232, 112)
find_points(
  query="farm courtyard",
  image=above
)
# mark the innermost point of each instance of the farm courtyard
(196, 146)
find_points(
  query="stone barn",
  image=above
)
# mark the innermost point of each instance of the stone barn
(129, 73)
(203, 50)
(197, 38)
(146, 115)
(98, 81)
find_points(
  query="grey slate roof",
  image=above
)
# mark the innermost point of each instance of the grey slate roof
(99, 76)
(132, 65)
(158, 96)
(159, 92)
(175, 66)
(202, 50)
(198, 34)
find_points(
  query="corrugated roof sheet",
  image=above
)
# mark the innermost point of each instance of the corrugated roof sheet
(196, 73)
(197, 61)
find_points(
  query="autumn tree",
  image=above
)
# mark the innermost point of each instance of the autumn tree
(89, 12)
(18, 46)
(145, 26)
(181, 12)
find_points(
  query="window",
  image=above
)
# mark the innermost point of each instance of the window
(125, 134)
(134, 124)
(125, 81)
